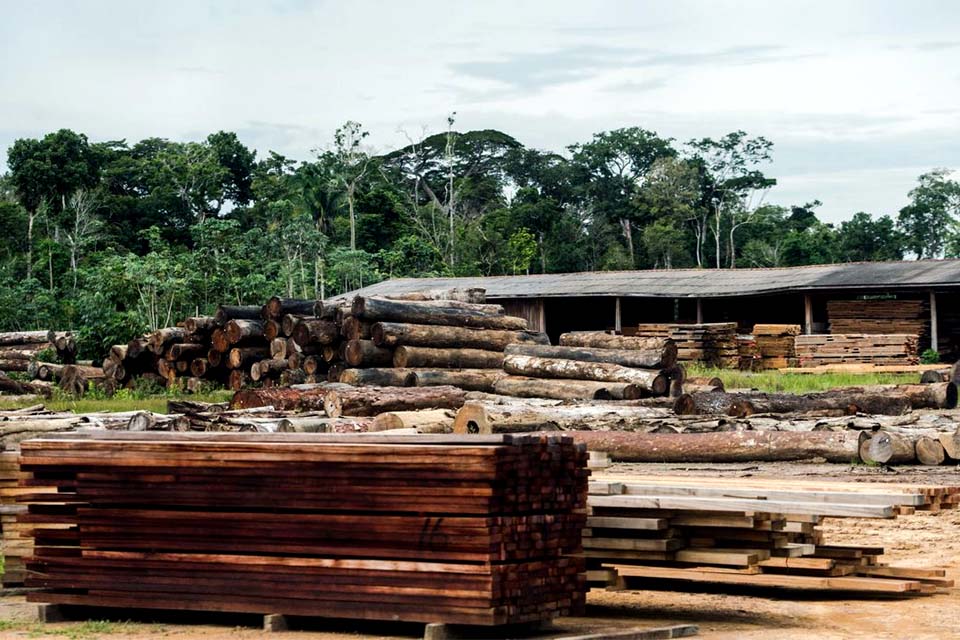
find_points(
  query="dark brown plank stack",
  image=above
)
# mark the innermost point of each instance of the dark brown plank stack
(880, 316)
(713, 343)
(478, 530)
(876, 349)
(777, 344)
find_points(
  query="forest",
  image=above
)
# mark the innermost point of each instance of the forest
(111, 238)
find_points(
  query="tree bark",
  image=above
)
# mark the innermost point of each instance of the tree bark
(890, 448)
(16, 387)
(276, 308)
(733, 446)
(424, 421)
(445, 313)
(200, 324)
(185, 351)
(241, 357)
(371, 401)
(523, 387)
(309, 332)
(363, 353)
(238, 330)
(660, 358)
(474, 295)
(285, 399)
(354, 328)
(289, 323)
(278, 348)
(14, 338)
(929, 451)
(377, 377)
(226, 313)
(469, 379)
(742, 405)
(447, 358)
(486, 418)
(267, 369)
(161, 338)
(653, 381)
(601, 340)
(390, 334)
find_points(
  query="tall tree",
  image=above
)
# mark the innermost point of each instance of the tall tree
(863, 238)
(932, 212)
(737, 187)
(352, 163)
(614, 166)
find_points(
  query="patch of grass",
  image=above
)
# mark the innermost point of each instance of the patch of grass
(87, 630)
(774, 381)
(120, 402)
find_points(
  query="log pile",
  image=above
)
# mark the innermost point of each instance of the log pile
(589, 365)
(484, 531)
(19, 348)
(777, 344)
(874, 349)
(713, 344)
(909, 317)
(667, 531)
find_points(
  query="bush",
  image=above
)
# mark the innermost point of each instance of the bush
(930, 356)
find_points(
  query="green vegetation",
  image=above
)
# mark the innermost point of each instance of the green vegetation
(123, 400)
(774, 381)
(930, 356)
(114, 238)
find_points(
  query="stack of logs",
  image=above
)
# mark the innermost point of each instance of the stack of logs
(591, 365)
(713, 344)
(777, 344)
(875, 349)
(45, 357)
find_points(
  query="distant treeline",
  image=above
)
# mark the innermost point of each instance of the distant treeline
(112, 239)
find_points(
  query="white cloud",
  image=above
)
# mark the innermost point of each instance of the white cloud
(859, 97)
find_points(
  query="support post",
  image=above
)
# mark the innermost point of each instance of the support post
(807, 314)
(934, 332)
(699, 311)
(617, 324)
(543, 316)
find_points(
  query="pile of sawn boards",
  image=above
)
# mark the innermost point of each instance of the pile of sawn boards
(480, 530)
(878, 349)
(664, 531)
(880, 316)
(713, 343)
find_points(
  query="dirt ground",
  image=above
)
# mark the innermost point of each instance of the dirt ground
(922, 540)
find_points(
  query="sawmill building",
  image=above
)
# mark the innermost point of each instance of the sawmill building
(872, 297)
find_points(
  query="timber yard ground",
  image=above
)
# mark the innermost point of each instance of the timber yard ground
(919, 540)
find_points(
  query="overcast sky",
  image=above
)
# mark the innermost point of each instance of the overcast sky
(858, 97)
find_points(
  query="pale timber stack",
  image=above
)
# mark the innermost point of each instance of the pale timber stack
(777, 344)
(893, 316)
(671, 531)
(483, 531)
(874, 349)
(713, 344)
(40, 355)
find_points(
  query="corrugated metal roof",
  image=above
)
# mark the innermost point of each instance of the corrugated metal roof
(696, 283)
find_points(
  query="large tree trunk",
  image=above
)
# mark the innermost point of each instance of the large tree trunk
(448, 313)
(486, 418)
(276, 308)
(887, 448)
(371, 401)
(289, 323)
(226, 313)
(363, 353)
(8, 385)
(523, 387)
(185, 351)
(424, 421)
(601, 340)
(733, 446)
(355, 329)
(160, 339)
(929, 451)
(200, 324)
(839, 402)
(267, 369)
(447, 358)
(306, 398)
(390, 334)
(938, 395)
(239, 330)
(659, 358)
(241, 357)
(310, 331)
(656, 382)
(469, 379)
(74, 378)
(377, 377)
(13, 338)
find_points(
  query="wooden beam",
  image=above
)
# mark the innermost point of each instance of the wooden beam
(807, 314)
(934, 333)
(699, 311)
(617, 323)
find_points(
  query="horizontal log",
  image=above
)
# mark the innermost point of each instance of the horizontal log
(525, 387)
(602, 340)
(312, 331)
(745, 404)
(424, 421)
(475, 295)
(226, 313)
(243, 357)
(376, 376)
(276, 308)
(200, 324)
(392, 334)
(371, 401)
(658, 358)
(13, 338)
(450, 313)
(654, 381)
(364, 353)
(485, 418)
(243, 330)
(469, 379)
(447, 358)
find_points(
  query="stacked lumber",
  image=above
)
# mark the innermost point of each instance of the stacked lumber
(874, 349)
(748, 352)
(777, 344)
(483, 531)
(911, 317)
(590, 365)
(713, 344)
(670, 531)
